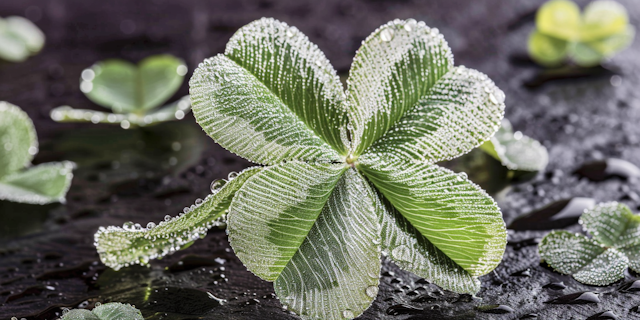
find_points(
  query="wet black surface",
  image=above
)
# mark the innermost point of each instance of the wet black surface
(47, 258)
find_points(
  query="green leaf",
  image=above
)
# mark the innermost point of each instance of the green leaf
(26, 31)
(127, 88)
(453, 213)
(560, 19)
(117, 311)
(583, 258)
(173, 111)
(460, 112)
(602, 19)
(584, 55)
(132, 244)
(18, 140)
(335, 272)
(410, 250)
(11, 48)
(612, 224)
(515, 150)
(272, 214)
(284, 60)
(633, 254)
(547, 50)
(108, 311)
(42, 184)
(245, 101)
(394, 69)
(613, 44)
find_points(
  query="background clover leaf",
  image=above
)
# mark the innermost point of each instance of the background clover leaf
(600, 260)
(19, 39)
(41, 184)
(599, 32)
(346, 177)
(131, 91)
(515, 150)
(107, 311)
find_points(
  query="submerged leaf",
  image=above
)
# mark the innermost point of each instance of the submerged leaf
(18, 140)
(133, 244)
(603, 259)
(515, 150)
(127, 88)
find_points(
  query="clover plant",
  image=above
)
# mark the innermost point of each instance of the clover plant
(603, 258)
(19, 182)
(515, 150)
(347, 177)
(19, 39)
(107, 311)
(131, 92)
(601, 30)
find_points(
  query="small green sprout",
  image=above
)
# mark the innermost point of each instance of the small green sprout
(107, 311)
(515, 150)
(41, 184)
(602, 259)
(19, 39)
(562, 32)
(131, 92)
(348, 177)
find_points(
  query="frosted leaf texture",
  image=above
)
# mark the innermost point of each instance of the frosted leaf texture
(19, 182)
(349, 175)
(515, 150)
(19, 39)
(131, 244)
(132, 92)
(107, 311)
(602, 259)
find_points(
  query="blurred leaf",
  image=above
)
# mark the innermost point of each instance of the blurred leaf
(515, 150)
(19, 38)
(612, 44)
(18, 140)
(107, 311)
(42, 184)
(127, 88)
(547, 50)
(602, 19)
(560, 19)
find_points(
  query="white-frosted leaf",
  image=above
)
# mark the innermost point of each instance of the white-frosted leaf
(271, 215)
(461, 111)
(79, 314)
(18, 140)
(133, 244)
(117, 311)
(410, 250)
(25, 30)
(173, 111)
(393, 69)
(515, 150)
(632, 252)
(246, 117)
(583, 258)
(296, 71)
(41, 184)
(454, 214)
(125, 87)
(12, 48)
(612, 224)
(335, 273)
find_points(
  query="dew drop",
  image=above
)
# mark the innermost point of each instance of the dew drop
(401, 253)
(216, 185)
(151, 225)
(347, 314)
(372, 291)
(198, 202)
(386, 35)
(232, 175)
(167, 218)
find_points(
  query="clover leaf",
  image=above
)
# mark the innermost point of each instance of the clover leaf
(515, 150)
(19, 39)
(602, 30)
(602, 259)
(348, 177)
(132, 92)
(107, 311)
(40, 184)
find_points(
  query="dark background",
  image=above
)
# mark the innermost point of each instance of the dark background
(47, 258)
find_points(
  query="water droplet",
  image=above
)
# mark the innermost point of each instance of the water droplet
(348, 314)
(216, 185)
(125, 124)
(372, 291)
(607, 315)
(232, 175)
(167, 218)
(181, 70)
(87, 75)
(576, 298)
(151, 225)
(398, 309)
(387, 34)
(495, 309)
(198, 202)
(556, 215)
(607, 169)
(555, 286)
(402, 253)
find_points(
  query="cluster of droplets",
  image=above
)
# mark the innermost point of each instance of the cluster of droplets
(174, 111)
